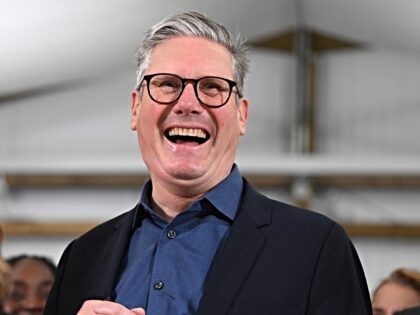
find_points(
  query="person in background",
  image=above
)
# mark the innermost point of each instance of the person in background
(398, 292)
(201, 240)
(1, 239)
(4, 276)
(4, 281)
(31, 278)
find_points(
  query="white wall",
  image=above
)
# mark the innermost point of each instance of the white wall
(369, 103)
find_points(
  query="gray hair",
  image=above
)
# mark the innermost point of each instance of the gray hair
(194, 24)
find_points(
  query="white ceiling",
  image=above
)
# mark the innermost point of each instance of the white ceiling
(49, 41)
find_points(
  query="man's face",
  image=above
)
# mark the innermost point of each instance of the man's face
(392, 297)
(190, 166)
(31, 282)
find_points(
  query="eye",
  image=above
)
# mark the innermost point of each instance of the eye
(213, 86)
(169, 84)
(17, 295)
(166, 84)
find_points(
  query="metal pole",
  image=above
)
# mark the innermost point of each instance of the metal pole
(302, 142)
(303, 128)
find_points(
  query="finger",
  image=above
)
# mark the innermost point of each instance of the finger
(110, 308)
(88, 307)
(99, 307)
(138, 311)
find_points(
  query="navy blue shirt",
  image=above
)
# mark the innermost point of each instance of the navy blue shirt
(167, 263)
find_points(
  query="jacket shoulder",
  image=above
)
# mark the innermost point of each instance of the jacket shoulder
(263, 209)
(105, 228)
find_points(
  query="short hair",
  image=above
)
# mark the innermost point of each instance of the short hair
(403, 276)
(191, 23)
(12, 261)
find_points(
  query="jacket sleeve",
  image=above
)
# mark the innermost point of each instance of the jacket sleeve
(52, 305)
(339, 285)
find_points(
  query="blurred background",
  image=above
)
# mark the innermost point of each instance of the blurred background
(334, 117)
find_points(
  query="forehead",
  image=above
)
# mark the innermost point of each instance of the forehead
(28, 270)
(396, 296)
(191, 57)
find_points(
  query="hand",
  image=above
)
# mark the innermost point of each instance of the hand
(97, 307)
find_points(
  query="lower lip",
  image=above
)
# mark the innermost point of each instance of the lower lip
(184, 144)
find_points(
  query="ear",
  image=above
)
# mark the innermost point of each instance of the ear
(242, 115)
(135, 105)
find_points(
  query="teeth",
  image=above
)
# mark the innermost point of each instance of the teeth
(177, 131)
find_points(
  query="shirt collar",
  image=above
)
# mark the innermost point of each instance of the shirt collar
(225, 196)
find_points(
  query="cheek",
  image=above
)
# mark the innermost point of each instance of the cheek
(229, 131)
(146, 121)
(11, 306)
(148, 131)
(152, 115)
(227, 120)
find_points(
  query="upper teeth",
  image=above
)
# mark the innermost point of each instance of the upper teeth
(177, 131)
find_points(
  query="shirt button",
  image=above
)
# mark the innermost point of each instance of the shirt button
(159, 285)
(171, 234)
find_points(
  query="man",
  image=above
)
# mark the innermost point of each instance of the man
(202, 240)
(31, 278)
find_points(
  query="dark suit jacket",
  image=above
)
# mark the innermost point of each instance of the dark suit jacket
(278, 259)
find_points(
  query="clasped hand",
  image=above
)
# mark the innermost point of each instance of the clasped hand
(98, 307)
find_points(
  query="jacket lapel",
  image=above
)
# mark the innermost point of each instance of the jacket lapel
(236, 257)
(113, 257)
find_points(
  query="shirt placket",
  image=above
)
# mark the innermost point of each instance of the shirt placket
(161, 282)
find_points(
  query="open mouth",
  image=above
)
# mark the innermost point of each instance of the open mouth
(185, 135)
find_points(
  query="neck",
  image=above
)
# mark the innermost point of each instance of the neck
(169, 204)
(170, 198)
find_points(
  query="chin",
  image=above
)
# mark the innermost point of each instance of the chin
(187, 172)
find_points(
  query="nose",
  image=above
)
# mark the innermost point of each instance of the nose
(188, 103)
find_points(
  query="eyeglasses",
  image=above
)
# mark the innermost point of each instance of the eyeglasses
(166, 88)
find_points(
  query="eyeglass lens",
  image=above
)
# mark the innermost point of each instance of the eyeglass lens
(167, 88)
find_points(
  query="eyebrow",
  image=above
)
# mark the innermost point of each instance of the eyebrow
(19, 283)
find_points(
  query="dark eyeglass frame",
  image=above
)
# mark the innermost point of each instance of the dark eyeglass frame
(184, 82)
